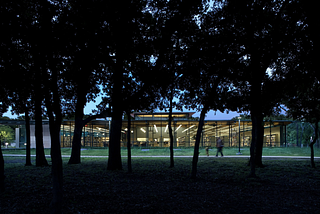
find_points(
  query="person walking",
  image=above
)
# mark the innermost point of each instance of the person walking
(207, 151)
(219, 147)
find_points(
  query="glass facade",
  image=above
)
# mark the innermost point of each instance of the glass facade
(151, 130)
(94, 134)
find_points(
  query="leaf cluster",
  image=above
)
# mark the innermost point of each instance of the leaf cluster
(159, 50)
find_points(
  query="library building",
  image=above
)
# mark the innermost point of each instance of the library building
(151, 130)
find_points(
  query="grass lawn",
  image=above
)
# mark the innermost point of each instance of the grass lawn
(275, 151)
(283, 186)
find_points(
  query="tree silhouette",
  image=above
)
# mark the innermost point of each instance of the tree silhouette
(82, 27)
(262, 33)
(205, 72)
(174, 26)
(123, 30)
(301, 70)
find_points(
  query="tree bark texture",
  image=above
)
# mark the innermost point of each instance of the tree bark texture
(197, 143)
(129, 143)
(257, 127)
(313, 142)
(57, 171)
(256, 145)
(76, 141)
(2, 176)
(55, 118)
(170, 132)
(114, 161)
(79, 123)
(40, 155)
(28, 158)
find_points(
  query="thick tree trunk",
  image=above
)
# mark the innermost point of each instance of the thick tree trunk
(312, 144)
(57, 171)
(129, 143)
(313, 165)
(257, 127)
(114, 161)
(55, 118)
(197, 143)
(79, 123)
(256, 148)
(28, 158)
(259, 143)
(170, 132)
(40, 155)
(2, 176)
(76, 141)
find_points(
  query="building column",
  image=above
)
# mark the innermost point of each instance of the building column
(161, 135)
(285, 135)
(174, 134)
(147, 134)
(229, 135)
(17, 137)
(188, 136)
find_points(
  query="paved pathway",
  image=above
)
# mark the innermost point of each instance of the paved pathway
(146, 156)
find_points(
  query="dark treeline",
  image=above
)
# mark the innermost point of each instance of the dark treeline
(252, 56)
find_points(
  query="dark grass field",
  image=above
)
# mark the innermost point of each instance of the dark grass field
(222, 186)
(182, 151)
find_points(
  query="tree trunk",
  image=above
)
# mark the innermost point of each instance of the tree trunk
(79, 123)
(2, 176)
(129, 143)
(313, 165)
(312, 143)
(259, 143)
(256, 148)
(55, 118)
(257, 127)
(114, 161)
(57, 171)
(40, 156)
(28, 158)
(197, 143)
(76, 141)
(170, 132)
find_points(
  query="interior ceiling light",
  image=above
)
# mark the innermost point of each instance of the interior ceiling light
(155, 127)
(188, 128)
(144, 131)
(178, 128)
